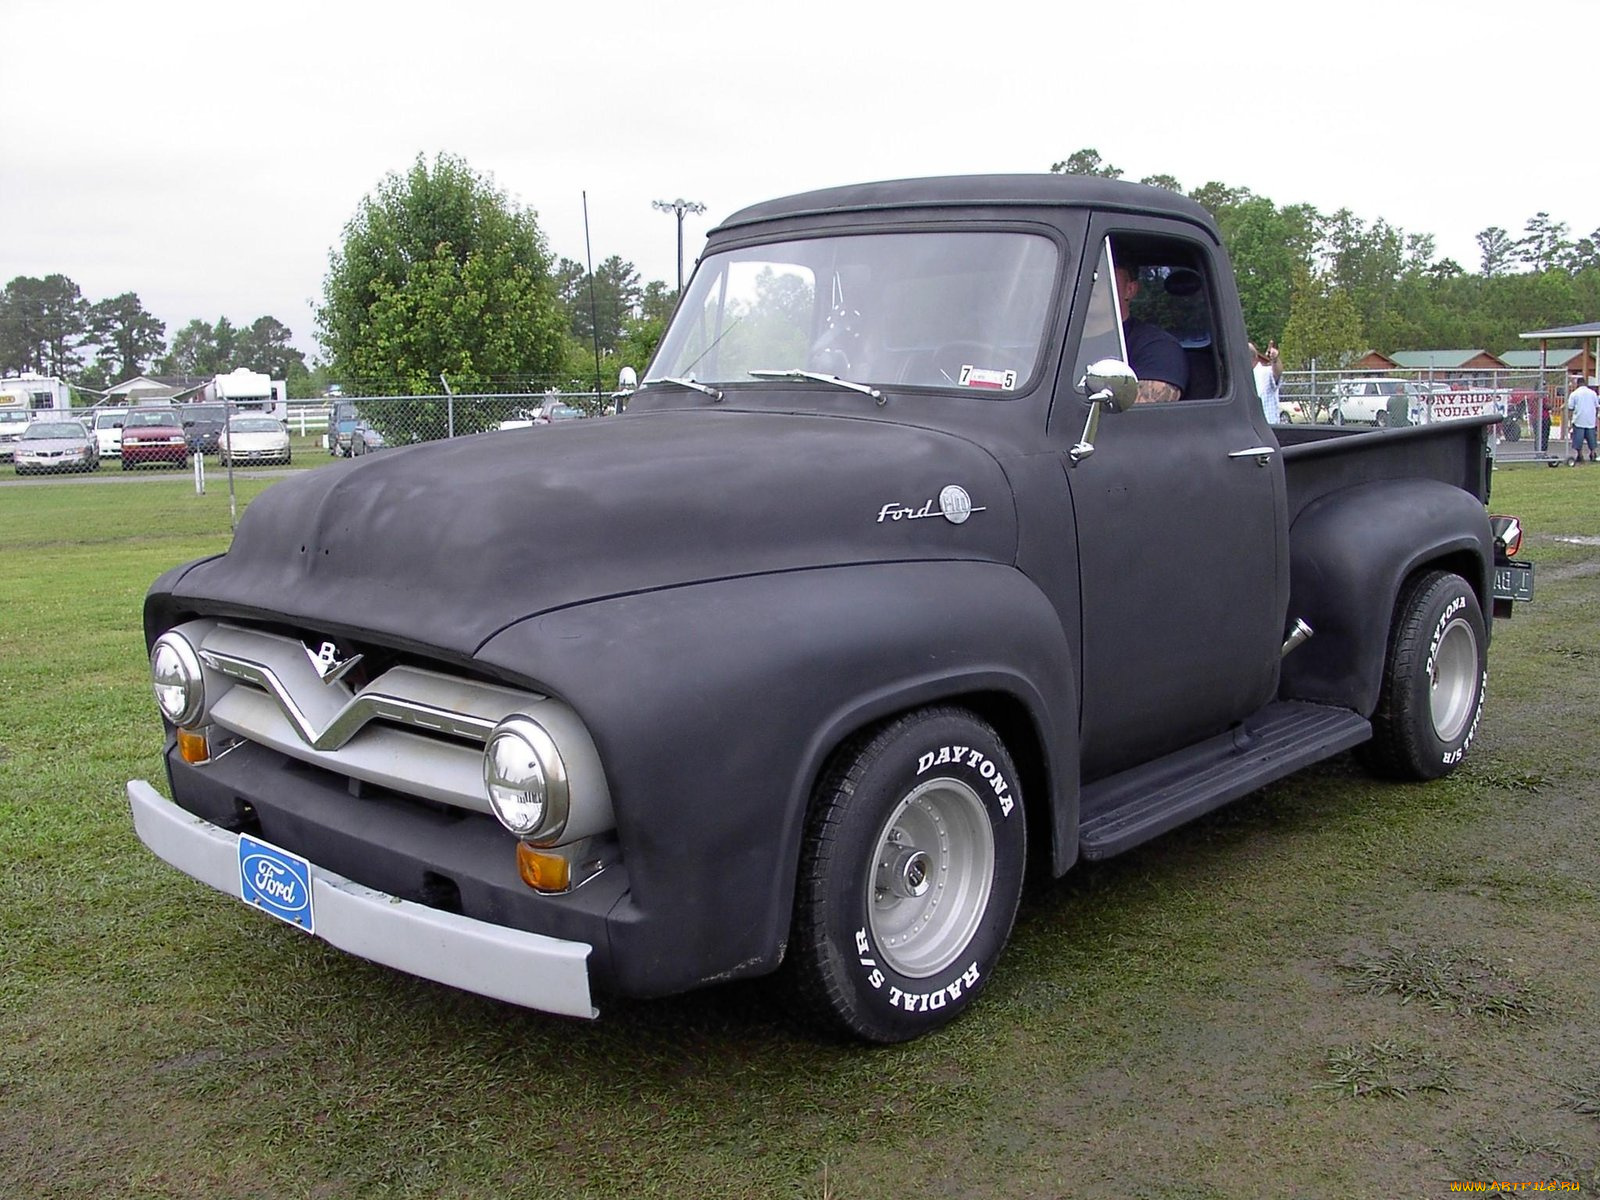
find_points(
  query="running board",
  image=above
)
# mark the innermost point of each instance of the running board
(1147, 801)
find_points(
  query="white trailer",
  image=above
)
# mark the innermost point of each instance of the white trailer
(33, 393)
(245, 390)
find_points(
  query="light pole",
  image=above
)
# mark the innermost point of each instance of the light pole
(680, 208)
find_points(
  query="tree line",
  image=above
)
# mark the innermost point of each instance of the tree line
(1328, 287)
(440, 282)
(48, 327)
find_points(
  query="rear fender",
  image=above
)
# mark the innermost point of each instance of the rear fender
(1349, 553)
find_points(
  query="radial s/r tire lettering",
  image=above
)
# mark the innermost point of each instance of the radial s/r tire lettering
(910, 875)
(1434, 678)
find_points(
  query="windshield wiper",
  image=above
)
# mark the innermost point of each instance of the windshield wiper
(693, 385)
(819, 377)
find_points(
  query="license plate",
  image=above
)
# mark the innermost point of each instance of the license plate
(1513, 581)
(276, 882)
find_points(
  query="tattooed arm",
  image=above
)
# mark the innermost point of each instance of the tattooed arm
(1156, 391)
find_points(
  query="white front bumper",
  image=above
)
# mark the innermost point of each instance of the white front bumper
(507, 964)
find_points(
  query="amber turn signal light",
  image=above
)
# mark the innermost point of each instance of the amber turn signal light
(192, 746)
(543, 870)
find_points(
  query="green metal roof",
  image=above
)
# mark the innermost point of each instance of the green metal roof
(1438, 360)
(1523, 360)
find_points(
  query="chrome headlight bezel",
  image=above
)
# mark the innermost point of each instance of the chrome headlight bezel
(176, 675)
(526, 780)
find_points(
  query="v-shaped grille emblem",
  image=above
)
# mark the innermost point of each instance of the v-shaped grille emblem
(330, 667)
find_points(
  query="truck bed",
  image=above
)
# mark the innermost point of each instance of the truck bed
(1320, 459)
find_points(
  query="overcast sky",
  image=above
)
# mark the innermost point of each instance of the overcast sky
(207, 155)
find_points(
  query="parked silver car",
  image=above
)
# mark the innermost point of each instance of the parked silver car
(55, 446)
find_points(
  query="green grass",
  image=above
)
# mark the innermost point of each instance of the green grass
(1179, 1022)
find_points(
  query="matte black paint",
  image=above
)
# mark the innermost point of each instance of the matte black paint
(710, 587)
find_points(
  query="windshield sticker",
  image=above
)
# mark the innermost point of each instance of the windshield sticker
(983, 377)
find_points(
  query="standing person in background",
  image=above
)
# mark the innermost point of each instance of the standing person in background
(1581, 415)
(1269, 378)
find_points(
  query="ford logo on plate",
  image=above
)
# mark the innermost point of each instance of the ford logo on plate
(275, 881)
(272, 881)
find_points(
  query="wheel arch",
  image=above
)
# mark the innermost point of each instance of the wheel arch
(1351, 553)
(715, 719)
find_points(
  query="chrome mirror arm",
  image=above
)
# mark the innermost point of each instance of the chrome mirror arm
(1091, 428)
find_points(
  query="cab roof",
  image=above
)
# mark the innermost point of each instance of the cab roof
(974, 191)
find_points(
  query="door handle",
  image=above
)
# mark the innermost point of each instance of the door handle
(1262, 454)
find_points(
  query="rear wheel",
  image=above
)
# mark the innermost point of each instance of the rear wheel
(910, 877)
(1433, 680)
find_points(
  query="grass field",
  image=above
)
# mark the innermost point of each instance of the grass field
(1337, 987)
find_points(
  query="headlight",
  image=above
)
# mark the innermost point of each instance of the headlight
(526, 779)
(180, 687)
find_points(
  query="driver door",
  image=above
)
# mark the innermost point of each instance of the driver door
(1182, 558)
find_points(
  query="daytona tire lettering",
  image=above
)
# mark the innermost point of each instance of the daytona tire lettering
(910, 877)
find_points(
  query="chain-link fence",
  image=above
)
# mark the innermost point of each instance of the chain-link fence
(350, 426)
(1529, 402)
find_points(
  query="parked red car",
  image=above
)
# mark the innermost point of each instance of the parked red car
(153, 436)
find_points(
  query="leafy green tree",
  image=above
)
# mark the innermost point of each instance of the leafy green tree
(1268, 245)
(128, 337)
(1324, 325)
(1085, 162)
(1544, 243)
(1163, 181)
(1496, 251)
(200, 348)
(41, 322)
(264, 346)
(439, 275)
(613, 301)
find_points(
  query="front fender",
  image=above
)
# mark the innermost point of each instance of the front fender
(715, 706)
(1349, 553)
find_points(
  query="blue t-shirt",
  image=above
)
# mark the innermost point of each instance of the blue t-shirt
(1154, 354)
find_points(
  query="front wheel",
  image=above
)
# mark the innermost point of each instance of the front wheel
(1433, 680)
(909, 878)
(1338, 417)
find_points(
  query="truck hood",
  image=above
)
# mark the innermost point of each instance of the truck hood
(445, 544)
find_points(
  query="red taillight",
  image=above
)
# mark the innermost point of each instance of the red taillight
(1507, 534)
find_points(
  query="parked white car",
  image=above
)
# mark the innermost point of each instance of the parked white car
(1366, 401)
(107, 431)
(254, 439)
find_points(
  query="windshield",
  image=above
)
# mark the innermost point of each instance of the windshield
(942, 310)
(254, 425)
(160, 420)
(56, 429)
(209, 412)
(109, 420)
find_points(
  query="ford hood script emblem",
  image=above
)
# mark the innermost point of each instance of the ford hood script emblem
(954, 505)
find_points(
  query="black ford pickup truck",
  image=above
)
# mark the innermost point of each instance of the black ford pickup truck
(888, 587)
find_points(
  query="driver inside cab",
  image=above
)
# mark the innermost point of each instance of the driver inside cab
(1155, 355)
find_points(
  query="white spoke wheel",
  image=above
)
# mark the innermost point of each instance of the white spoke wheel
(910, 875)
(1434, 677)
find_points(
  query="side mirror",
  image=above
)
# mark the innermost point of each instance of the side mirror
(1111, 382)
(1108, 384)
